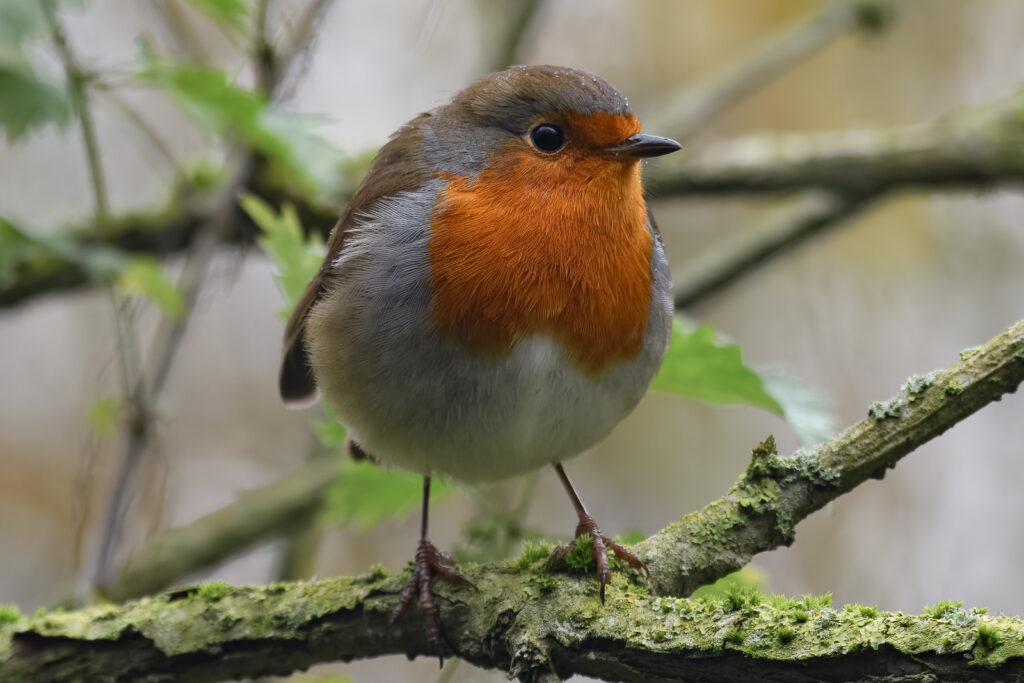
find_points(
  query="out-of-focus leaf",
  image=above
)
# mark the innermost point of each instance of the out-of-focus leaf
(20, 20)
(297, 257)
(143, 275)
(299, 157)
(230, 15)
(701, 366)
(366, 494)
(748, 578)
(26, 102)
(103, 414)
(807, 412)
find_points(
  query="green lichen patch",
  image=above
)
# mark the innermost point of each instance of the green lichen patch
(953, 387)
(916, 385)
(885, 410)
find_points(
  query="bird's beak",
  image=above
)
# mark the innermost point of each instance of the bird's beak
(642, 146)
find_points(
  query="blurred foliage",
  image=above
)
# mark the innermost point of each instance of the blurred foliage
(748, 579)
(296, 256)
(230, 15)
(27, 100)
(103, 415)
(144, 276)
(701, 366)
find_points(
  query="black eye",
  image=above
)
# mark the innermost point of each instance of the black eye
(547, 138)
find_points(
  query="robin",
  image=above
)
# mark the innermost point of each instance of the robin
(495, 297)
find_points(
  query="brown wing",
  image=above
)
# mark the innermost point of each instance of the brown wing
(399, 167)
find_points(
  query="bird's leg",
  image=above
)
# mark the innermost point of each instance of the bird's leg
(430, 562)
(599, 542)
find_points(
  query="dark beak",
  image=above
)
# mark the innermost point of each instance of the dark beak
(642, 146)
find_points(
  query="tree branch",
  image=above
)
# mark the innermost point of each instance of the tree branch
(513, 622)
(529, 622)
(696, 104)
(976, 147)
(807, 215)
(276, 508)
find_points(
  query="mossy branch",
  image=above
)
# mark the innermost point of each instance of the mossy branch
(969, 148)
(527, 621)
(512, 622)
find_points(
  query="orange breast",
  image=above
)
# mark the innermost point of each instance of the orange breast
(557, 245)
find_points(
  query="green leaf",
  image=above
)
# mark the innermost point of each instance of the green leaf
(297, 156)
(143, 275)
(808, 413)
(366, 494)
(701, 366)
(297, 258)
(102, 416)
(27, 102)
(230, 15)
(20, 20)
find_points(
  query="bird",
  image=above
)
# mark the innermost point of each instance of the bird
(495, 297)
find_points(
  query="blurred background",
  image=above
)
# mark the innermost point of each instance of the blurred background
(900, 288)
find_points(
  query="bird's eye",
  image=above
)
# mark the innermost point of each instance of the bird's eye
(547, 138)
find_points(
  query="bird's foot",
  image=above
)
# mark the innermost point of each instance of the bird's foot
(430, 562)
(599, 544)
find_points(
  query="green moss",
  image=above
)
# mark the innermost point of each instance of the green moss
(817, 601)
(943, 608)
(862, 610)
(376, 572)
(742, 598)
(734, 636)
(9, 614)
(581, 556)
(800, 616)
(954, 387)
(533, 552)
(989, 636)
(545, 583)
(785, 635)
(212, 591)
(782, 602)
(968, 352)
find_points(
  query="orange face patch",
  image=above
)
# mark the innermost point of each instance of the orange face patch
(546, 244)
(603, 130)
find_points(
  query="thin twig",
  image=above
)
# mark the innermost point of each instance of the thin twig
(523, 14)
(76, 81)
(809, 214)
(696, 104)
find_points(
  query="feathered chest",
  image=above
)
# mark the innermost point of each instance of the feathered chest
(536, 246)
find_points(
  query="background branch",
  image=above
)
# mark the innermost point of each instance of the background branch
(697, 104)
(531, 623)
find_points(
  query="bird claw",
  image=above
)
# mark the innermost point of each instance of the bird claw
(429, 562)
(599, 544)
